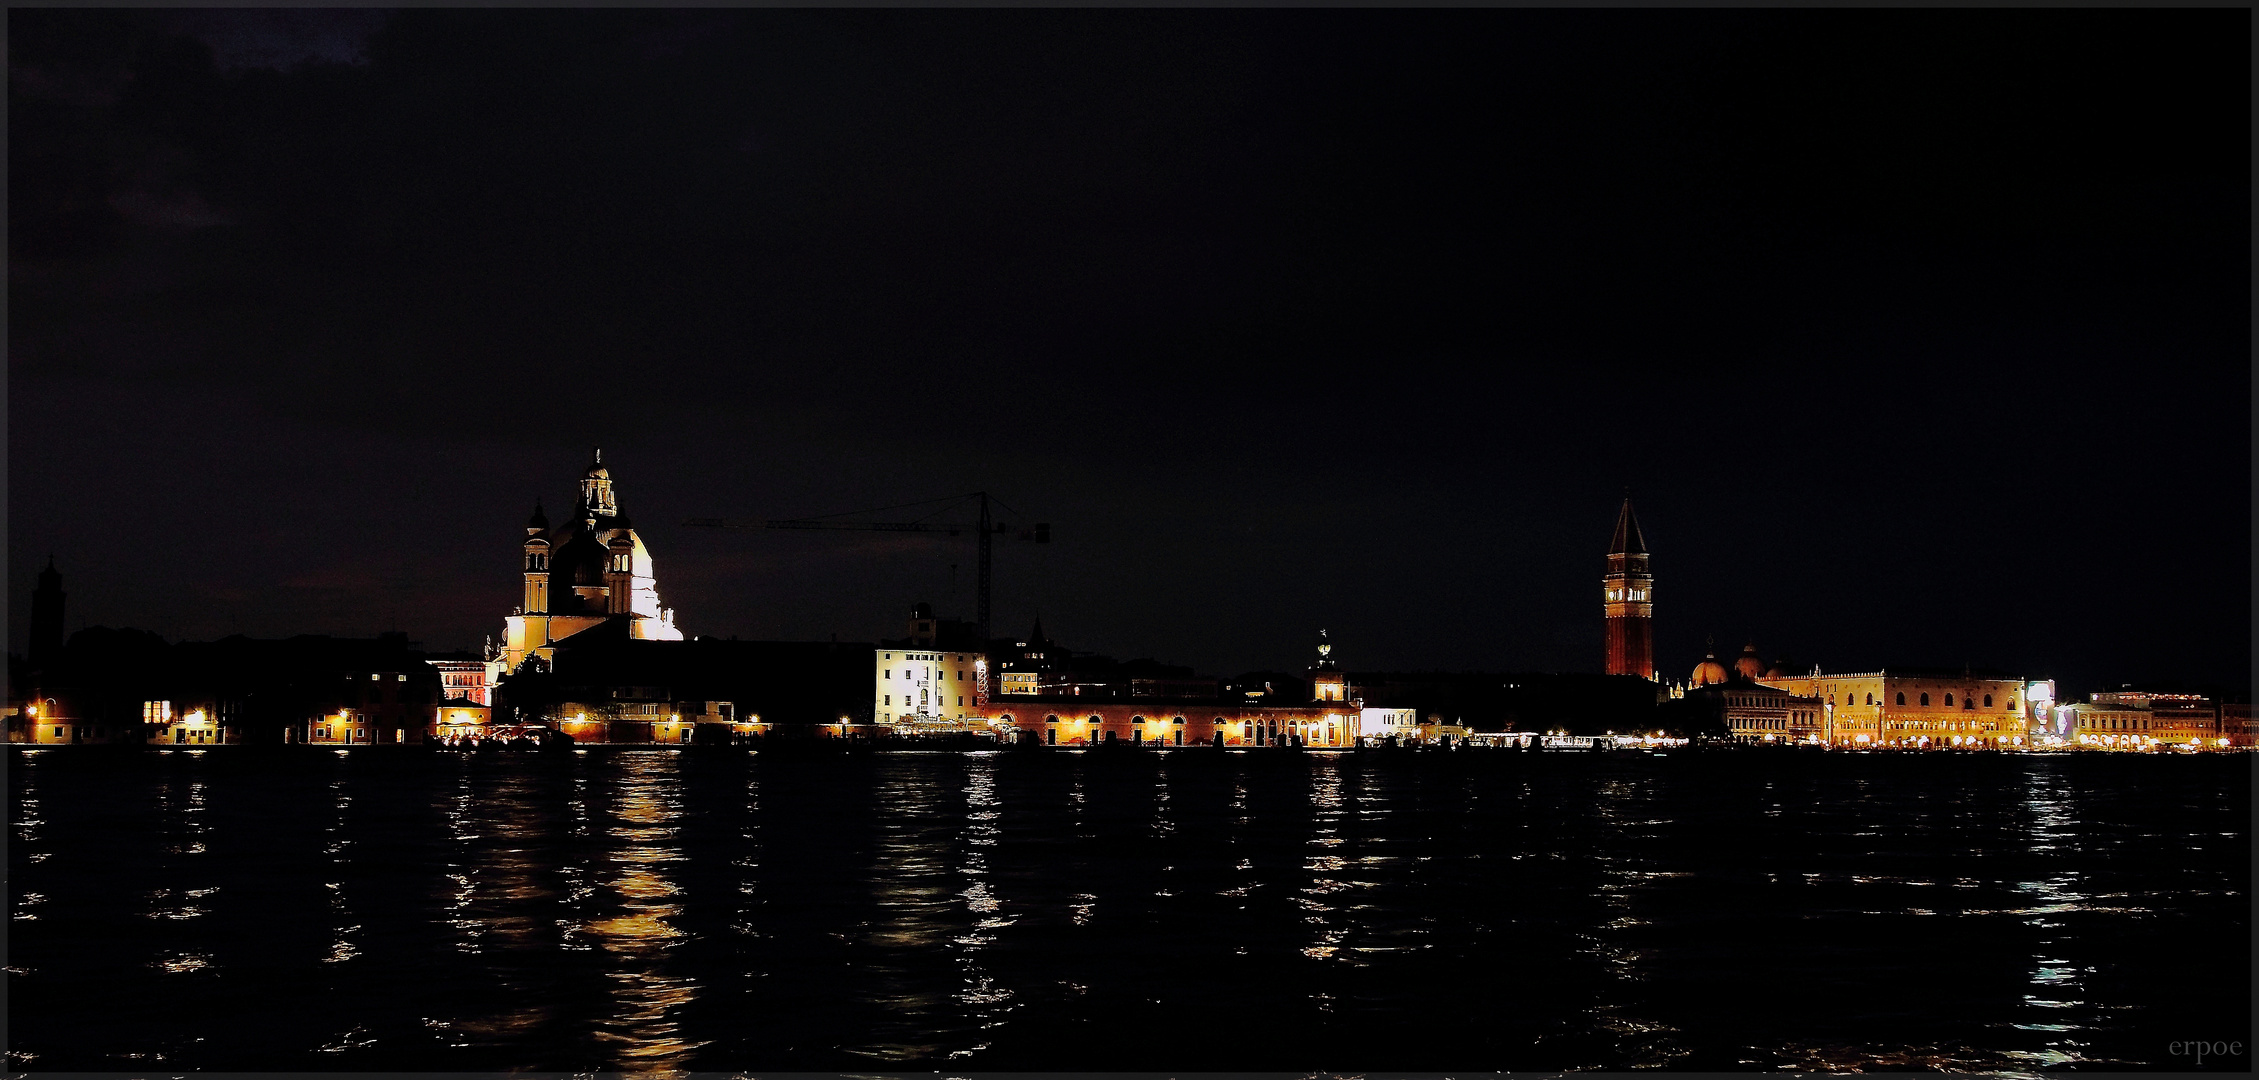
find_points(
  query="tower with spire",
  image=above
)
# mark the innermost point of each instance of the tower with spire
(1627, 593)
(47, 618)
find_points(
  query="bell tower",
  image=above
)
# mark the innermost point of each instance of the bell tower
(537, 562)
(1628, 601)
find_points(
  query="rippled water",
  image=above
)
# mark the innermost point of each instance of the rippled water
(1191, 910)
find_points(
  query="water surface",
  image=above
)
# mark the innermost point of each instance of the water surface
(617, 909)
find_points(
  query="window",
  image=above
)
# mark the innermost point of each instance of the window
(889, 674)
(1902, 697)
(1050, 719)
(1051, 736)
(1178, 720)
(888, 700)
(960, 701)
(1925, 699)
(1948, 701)
(1988, 701)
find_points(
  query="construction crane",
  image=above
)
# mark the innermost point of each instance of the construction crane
(986, 529)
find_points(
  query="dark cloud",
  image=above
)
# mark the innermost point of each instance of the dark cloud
(279, 39)
(1904, 328)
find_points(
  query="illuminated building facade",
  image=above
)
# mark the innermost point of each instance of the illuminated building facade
(2110, 726)
(934, 680)
(2135, 719)
(1753, 712)
(1915, 708)
(1331, 716)
(592, 568)
(463, 676)
(1627, 596)
(200, 723)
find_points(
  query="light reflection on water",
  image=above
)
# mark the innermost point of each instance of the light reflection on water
(647, 996)
(1620, 915)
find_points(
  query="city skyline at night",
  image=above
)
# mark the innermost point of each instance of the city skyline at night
(1363, 324)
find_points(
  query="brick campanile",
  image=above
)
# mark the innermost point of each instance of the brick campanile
(1628, 599)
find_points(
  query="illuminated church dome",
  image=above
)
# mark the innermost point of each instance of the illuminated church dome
(579, 563)
(588, 570)
(1748, 665)
(1709, 672)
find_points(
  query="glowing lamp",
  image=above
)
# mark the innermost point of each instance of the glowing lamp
(31, 710)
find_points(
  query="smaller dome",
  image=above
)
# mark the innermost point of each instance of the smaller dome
(1748, 665)
(596, 469)
(539, 520)
(1709, 672)
(1777, 672)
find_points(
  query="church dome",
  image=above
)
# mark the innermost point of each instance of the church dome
(1777, 672)
(1709, 672)
(1748, 665)
(580, 562)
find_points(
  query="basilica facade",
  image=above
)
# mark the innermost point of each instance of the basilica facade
(589, 570)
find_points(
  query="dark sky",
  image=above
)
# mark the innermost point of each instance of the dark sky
(1920, 337)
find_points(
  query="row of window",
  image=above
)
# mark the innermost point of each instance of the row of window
(911, 673)
(1051, 737)
(1966, 702)
(1096, 720)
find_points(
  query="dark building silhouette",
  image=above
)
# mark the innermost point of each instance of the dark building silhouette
(608, 685)
(46, 643)
(1628, 601)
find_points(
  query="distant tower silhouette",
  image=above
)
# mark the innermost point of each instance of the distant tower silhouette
(47, 617)
(1628, 599)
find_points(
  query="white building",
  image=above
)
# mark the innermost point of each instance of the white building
(917, 687)
(1380, 723)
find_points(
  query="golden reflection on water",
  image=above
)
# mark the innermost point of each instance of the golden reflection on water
(645, 1020)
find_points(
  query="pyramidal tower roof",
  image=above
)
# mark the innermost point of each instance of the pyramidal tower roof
(1627, 541)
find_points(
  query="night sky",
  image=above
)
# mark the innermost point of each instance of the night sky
(1918, 337)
